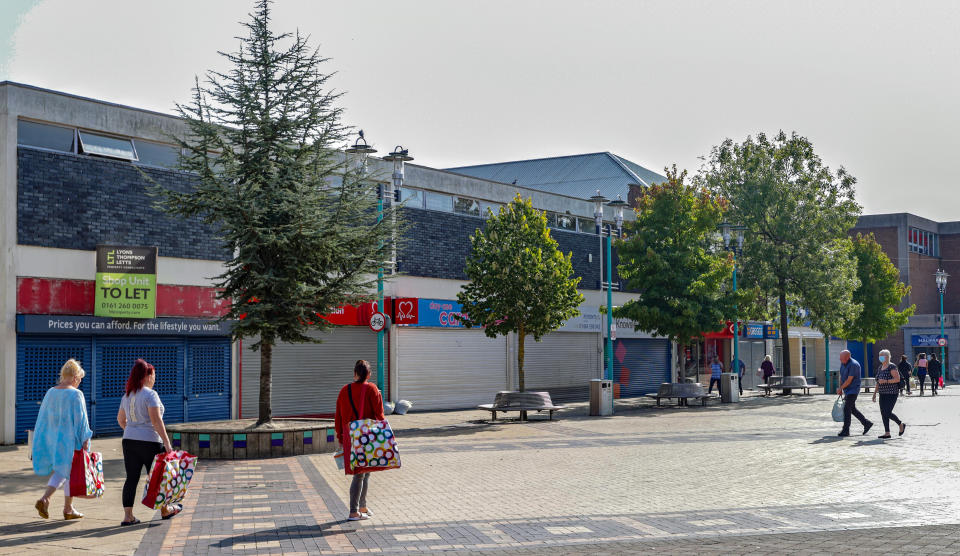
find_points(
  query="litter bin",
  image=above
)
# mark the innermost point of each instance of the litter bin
(601, 397)
(729, 388)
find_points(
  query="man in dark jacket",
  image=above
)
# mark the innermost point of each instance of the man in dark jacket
(934, 368)
(904, 368)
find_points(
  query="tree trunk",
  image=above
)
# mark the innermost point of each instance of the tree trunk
(784, 334)
(681, 364)
(520, 382)
(266, 369)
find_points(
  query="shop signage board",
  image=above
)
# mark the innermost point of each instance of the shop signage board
(753, 330)
(126, 282)
(928, 340)
(438, 313)
(771, 332)
(93, 326)
(407, 310)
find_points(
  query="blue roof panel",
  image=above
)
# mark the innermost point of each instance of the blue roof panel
(576, 175)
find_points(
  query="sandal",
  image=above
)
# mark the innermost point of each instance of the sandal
(73, 514)
(125, 523)
(177, 508)
(42, 508)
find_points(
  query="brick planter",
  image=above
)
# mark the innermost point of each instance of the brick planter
(238, 439)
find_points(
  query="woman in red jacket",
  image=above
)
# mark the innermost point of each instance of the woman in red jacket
(367, 404)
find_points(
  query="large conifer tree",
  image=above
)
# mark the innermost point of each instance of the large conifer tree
(297, 221)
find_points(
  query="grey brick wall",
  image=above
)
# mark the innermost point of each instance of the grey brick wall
(75, 202)
(437, 244)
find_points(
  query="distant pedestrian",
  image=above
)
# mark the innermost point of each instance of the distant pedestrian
(61, 428)
(934, 369)
(144, 435)
(767, 369)
(888, 381)
(716, 369)
(905, 370)
(741, 367)
(850, 373)
(921, 367)
(357, 400)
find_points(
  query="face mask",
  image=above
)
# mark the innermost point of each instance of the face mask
(883, 358)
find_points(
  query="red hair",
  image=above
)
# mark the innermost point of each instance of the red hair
(141, 369)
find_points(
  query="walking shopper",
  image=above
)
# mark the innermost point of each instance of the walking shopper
(767, 368)
(934, 368)
(716, 369)
(905, 370)
(357, 400)
(888, 381)
(740, 368)
(61, 428)
(850, 372)
(921, 367)
(144, 435)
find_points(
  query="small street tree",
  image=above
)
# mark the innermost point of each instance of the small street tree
(794, 208)
(670, 256)
(297, 223)
(879, 294)
(519, 280)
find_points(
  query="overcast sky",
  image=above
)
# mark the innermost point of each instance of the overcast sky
(875, 85)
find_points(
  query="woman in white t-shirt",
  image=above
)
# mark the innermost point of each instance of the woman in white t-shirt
(144, 435)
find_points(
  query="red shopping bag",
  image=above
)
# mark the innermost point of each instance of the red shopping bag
(170, 476)
(86, 474)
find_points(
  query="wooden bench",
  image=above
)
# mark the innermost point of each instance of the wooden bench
(521, 401)
(787, 383)
(682, 391)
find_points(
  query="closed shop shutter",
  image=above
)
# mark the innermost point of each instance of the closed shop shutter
(752, 354)
(38, 369)
(450, 369)
(208, 379)
(561, 363)
(308, 377)
(640, 365)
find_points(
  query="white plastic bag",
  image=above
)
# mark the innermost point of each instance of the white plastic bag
(837, 412)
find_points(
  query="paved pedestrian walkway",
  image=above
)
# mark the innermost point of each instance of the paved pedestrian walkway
(767, 475)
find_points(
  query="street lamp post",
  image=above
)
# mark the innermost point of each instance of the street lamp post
(598, 202)
(397, 157)
(941, 278)
(617, 207)
(727, 230)
(361, 150)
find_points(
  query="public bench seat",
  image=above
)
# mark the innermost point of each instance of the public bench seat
(867, 383)
(787, 383)
(682, 391)
(521, 401)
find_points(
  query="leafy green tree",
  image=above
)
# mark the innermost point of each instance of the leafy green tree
(794, 208)
(519, 280)
(879, 294)
(296, 221)
(671, 257)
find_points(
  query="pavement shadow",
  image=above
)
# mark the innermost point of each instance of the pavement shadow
(876, 442)
(288, 532)
(828, 439)
(35, 532)
(25, 480)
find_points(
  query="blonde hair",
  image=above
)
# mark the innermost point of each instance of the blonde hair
(71, 370)
(887, 352)
(767, 358)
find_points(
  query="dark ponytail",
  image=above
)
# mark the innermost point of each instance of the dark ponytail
(362, 370)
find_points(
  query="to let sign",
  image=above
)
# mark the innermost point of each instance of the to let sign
(126, 285)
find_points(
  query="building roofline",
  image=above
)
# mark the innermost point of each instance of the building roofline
(87, 99)
(488, 180)
(528, 160)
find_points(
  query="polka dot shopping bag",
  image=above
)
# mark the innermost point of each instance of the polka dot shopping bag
(372, 444)
(170, 476)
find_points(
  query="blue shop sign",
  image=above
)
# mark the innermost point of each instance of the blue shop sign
(438, 313)
(927, 340)
(105, 326)
(752, 330)
(771, 332)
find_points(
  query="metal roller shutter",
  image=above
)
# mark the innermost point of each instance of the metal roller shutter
(208, 379)
(38, 369)
(450, 369)
(640, 365)
(308, 377)
(562, 363)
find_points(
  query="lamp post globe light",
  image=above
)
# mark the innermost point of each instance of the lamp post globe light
(617, 206)
(734, 232)
(941, 278)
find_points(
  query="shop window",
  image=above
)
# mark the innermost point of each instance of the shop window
(106, 146)
(466, 206)
(438, 201)
(411, 197)
(157, 154)
(45, 136)
(565, 222)
(923, 242)
(491, 207)
(587, 225)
